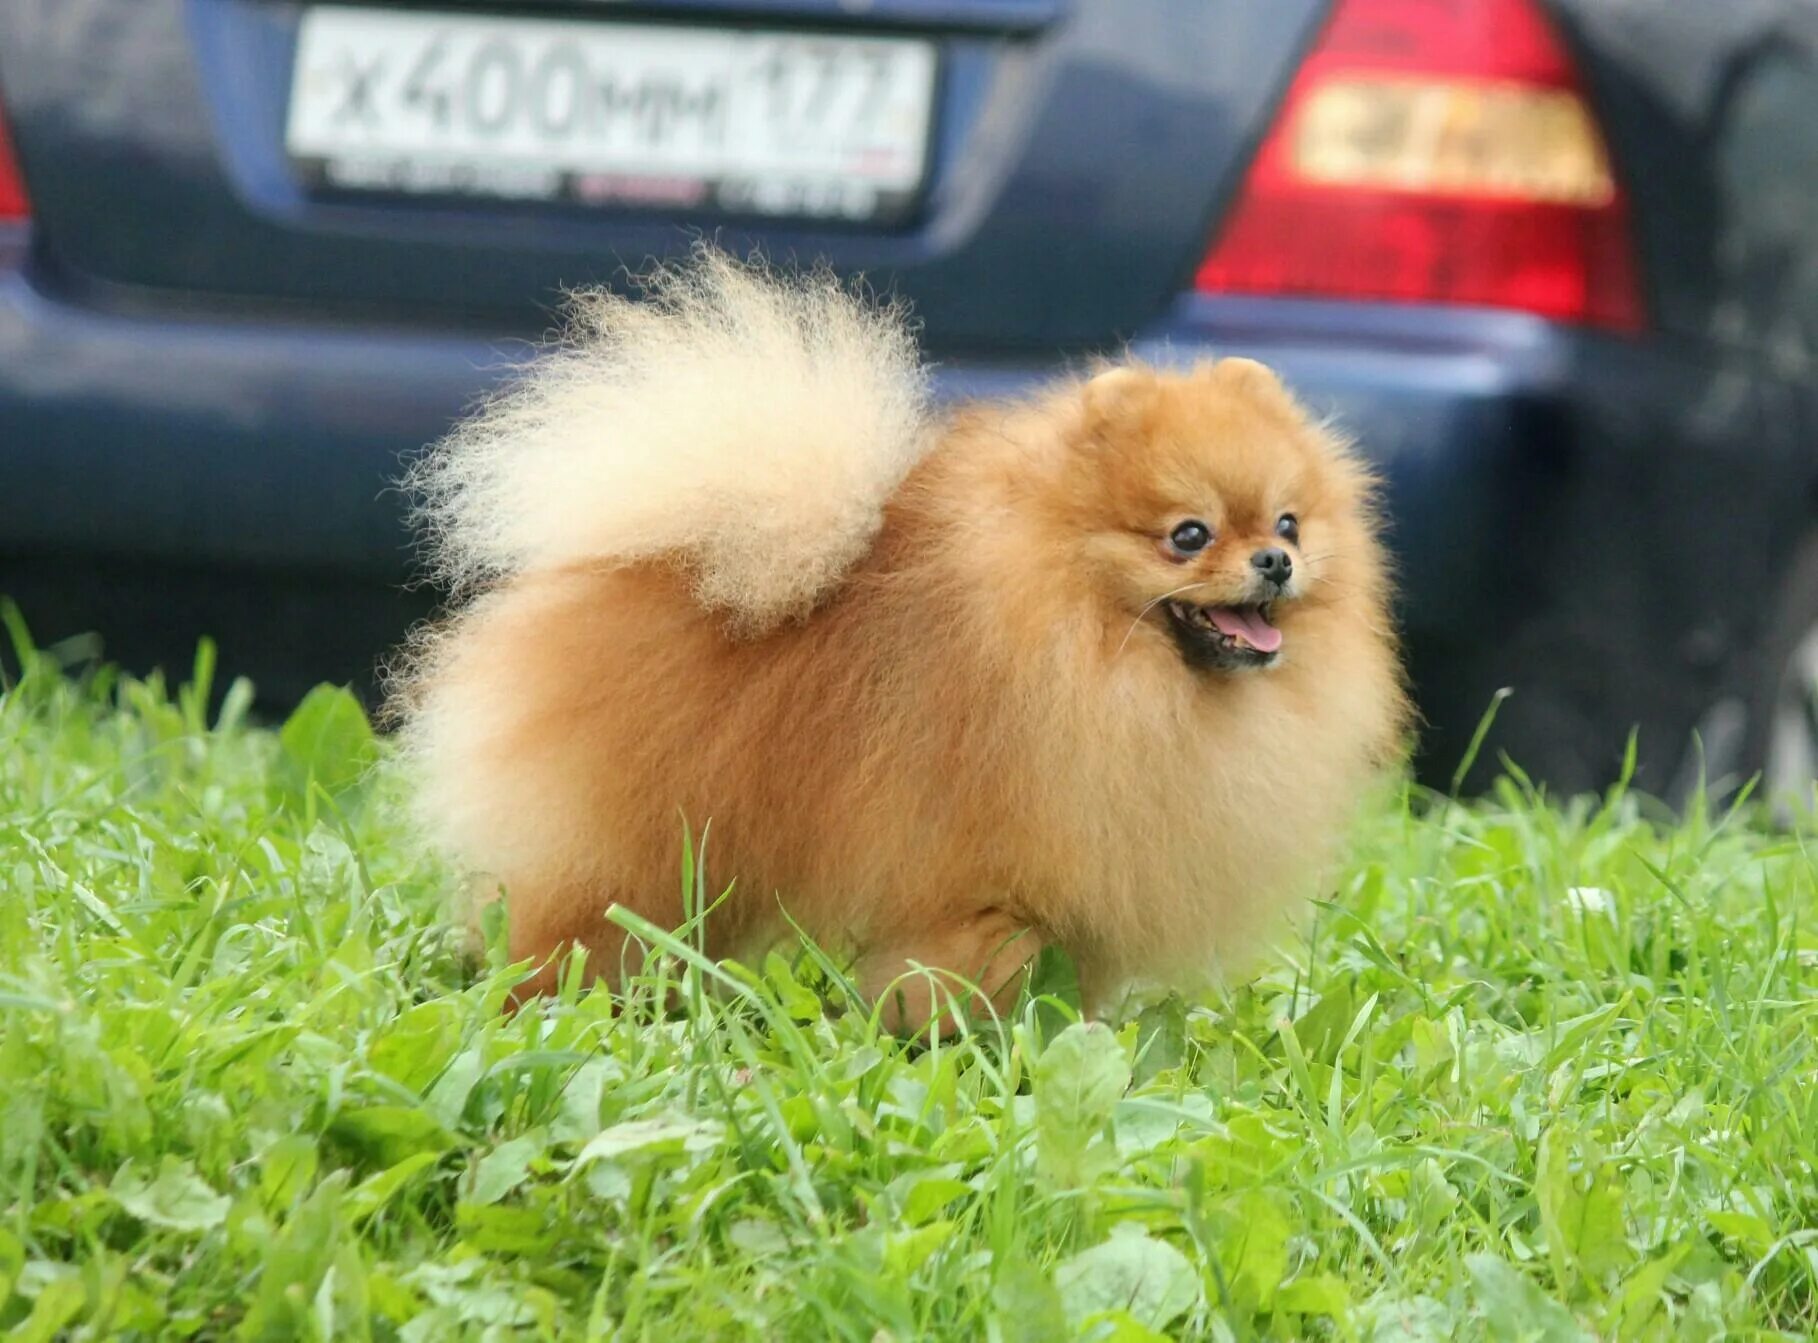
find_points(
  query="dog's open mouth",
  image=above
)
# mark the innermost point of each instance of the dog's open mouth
(1232, 636)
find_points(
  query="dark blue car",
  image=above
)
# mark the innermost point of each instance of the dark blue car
(1554, 263)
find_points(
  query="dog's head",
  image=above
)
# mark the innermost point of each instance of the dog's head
(1212, 514)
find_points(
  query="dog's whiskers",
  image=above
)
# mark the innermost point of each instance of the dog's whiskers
(1148, 608)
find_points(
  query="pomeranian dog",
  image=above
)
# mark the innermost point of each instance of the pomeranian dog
(1109, 668)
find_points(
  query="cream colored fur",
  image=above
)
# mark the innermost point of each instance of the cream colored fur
(920, 678)
(750, 425)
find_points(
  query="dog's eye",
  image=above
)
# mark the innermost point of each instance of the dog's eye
(1287, 527)
(1190, 537)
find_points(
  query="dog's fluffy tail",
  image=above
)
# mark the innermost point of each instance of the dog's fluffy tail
(747, 425)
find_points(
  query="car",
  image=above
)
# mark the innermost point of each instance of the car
(1552, 263)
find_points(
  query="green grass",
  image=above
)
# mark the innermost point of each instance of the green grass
(1533, 1073)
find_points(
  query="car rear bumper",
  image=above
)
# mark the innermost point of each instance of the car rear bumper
(215, 440)
(1543, 487)
(264, 443)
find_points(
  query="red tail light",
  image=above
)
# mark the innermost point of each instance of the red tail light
(14, 206)
(1436, 151)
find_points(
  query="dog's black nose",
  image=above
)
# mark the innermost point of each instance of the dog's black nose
(1274, 564)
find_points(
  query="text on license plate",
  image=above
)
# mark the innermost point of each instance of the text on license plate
(766, 123)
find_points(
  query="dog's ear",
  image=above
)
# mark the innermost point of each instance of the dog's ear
(1248, 378)
(1119, 394)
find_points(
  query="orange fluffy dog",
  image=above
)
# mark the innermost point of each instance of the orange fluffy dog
(1109, 668)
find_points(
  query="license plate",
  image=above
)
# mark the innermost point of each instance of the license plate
(605, 113)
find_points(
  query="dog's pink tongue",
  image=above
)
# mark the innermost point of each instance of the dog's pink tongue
(1246, 623)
